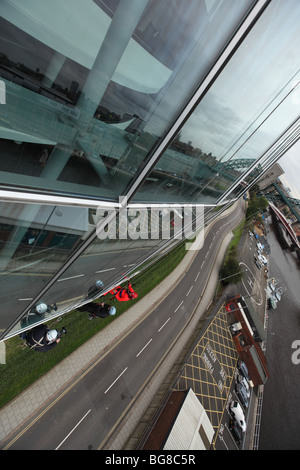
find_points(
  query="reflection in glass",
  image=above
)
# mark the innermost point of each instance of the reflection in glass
(35, 251)
(35, 242)
(87, 101)
(251, 104)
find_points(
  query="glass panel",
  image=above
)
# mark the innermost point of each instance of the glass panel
(251, 104)
(35, 251)
(35, 241)
(87, 100)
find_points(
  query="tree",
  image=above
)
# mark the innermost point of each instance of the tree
(257, 204)
(231, 271)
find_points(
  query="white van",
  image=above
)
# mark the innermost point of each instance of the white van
(237, 412)
(260, 247)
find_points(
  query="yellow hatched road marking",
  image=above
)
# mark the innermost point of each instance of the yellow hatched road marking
(203, 383)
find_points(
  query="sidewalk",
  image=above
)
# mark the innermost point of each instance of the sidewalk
(36, 397)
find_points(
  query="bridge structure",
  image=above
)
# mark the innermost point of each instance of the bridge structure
(286, 225)
(237, 164)
(279, 196)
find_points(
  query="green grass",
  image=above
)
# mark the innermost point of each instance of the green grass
(24, 366)
(231, 255)
(237, 233)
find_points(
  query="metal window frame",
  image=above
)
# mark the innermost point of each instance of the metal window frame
(271, 156)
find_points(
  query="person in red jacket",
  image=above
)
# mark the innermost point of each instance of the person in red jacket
(124, 294)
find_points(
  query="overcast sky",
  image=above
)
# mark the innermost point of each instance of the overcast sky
(290, 163)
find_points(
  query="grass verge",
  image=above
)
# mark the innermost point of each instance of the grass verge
(24, 366)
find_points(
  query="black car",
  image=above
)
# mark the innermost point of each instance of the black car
(243, 369)
(242, 394)
(236, 431)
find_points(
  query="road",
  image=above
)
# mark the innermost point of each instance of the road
(107, 259)
(280, 419)
(21, 286)
(252, 288)
(84, 415)
(214, 393)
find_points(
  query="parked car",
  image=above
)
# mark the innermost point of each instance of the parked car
(257, 263)
(237, 412)
(242, 380)
(242, 394)
(260, 247)
(262, 259)
(236, 431)
(242, 368)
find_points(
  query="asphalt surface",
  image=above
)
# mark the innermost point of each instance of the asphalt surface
(83, 415)
(280, 418)
(20, 286)
(217, 389)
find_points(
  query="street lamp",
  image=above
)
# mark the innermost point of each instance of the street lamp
(232, 275)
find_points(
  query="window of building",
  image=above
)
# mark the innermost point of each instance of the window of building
(253, 102)
(101, 82)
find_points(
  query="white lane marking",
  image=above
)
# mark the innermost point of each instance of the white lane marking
(178, 307)
(164, 324)
(189, 291)
(67, 278)
(144, 348)
(105, 270)
(197, 276)
(72, 430)
(116, 380)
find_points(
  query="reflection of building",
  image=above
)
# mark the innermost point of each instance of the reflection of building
(270, 176)
(124, 107)
(58, 229)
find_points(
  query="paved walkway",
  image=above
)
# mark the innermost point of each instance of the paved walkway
(36, 397)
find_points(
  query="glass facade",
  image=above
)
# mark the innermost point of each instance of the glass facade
(160, 102)
(36, 240)
(250, 105)
(92, 98)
